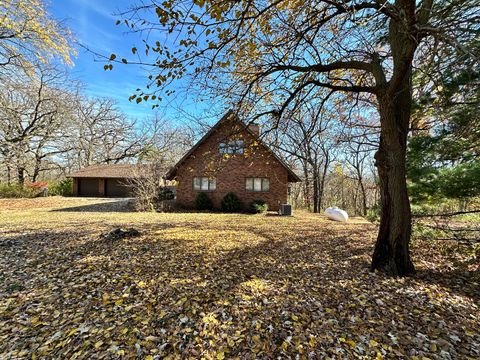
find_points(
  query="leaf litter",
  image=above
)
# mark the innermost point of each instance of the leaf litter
(220, 286)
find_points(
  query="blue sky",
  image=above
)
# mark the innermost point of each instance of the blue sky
(93, 23)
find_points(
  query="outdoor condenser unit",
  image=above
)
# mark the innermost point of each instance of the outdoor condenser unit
(286, 210)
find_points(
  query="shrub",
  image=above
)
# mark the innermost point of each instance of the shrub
(258, 206)
(62, 188)
(373, 213)
(231, 203)
(165, 194)
(16, 191)
(203, 202)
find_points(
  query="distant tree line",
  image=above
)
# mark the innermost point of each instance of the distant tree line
(48, 125)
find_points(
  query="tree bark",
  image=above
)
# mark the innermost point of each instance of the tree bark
(36, 170)
(363, 193)
(9, 176)
(391, 254)
(306, 187)
(21, 175)
(315, 191)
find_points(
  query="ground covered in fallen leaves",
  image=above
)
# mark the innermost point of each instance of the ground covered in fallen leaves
(214, 286)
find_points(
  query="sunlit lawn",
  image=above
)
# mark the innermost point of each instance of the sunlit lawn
(219, 286)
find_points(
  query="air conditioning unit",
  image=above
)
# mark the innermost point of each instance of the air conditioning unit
(286, 210)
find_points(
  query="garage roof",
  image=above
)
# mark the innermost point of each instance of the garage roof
(115, 171)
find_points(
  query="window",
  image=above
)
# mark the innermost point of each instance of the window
(257, 184)
(232, 147)
(204, 183)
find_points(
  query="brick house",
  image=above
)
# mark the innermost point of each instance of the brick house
(232, 158)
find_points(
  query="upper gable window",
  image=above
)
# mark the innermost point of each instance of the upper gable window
(232, 147)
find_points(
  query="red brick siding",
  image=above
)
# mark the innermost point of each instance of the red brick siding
(231, 172)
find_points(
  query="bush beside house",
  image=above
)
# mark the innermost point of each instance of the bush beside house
(231, 203)
(258, 206)
(203, 202)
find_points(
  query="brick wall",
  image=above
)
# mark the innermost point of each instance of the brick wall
(230, 171)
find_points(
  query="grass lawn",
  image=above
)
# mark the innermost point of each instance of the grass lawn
(220, 286)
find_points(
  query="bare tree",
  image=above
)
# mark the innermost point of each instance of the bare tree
(357, 158)
(31, 112)
(164, 145)
(102, 133)
(307, 138)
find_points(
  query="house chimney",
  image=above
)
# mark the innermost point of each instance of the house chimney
(255, 129)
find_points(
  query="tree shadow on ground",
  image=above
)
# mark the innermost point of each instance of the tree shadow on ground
(113, 205)
(192, 284)
(458, 281)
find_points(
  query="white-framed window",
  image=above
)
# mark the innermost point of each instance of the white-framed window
(257, 184)
(232, 147)
(204, 183)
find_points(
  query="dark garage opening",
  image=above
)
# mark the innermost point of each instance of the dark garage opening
(116, 188)
(88, 187)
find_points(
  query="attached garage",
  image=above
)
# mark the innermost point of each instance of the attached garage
(104, 180)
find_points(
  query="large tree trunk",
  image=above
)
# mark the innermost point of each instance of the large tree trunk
(363, 193)
(315, 191)
(391, 254)
(21, 175)
(9, 175)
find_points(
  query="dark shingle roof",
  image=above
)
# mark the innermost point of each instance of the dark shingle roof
(106, 171)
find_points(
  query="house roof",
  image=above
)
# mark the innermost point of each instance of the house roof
(105, 171)
(292, 177)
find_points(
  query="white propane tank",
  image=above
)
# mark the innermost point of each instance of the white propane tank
(336, 214)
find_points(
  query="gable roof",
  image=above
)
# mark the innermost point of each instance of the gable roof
(106, 171)
(292, 177)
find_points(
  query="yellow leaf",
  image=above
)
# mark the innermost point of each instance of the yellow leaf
(98, 344)
(373, 343)
(181, 301)
(351, 343)
(220, 355)
(149, 357)
(124, 331)
(294, 317)
(105, 298)
(119, 302)
(141, 284)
